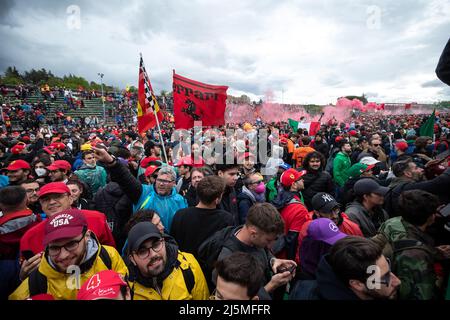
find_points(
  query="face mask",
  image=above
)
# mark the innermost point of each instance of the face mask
(90, 165)
(40, 172)
(261, 188)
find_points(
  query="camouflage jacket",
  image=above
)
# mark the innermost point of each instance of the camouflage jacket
(414, 258)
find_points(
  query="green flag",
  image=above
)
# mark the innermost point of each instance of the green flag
(293, 124)
(427, 129)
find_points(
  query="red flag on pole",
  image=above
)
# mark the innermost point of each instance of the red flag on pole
(408, 106)
(196, 101)
(147, 104)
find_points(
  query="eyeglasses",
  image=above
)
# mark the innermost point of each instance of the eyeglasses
(144, 252)
(53, 251)
(162, 181)
(214, 296)
(32, 190)
(257, 182)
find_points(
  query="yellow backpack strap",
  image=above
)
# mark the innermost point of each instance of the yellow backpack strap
(188, 275)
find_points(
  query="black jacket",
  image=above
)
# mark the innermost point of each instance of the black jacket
(315, 182)
(326, 287)
(439, 186)
(117, 207)
(323, 148)
(229, 203)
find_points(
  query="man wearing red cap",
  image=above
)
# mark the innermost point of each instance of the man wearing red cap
(59, 171)
(72, 255)
(18, 172)
(54, 198)
(292, 210)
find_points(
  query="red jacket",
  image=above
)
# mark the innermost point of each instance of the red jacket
(294, 215)
(13, 226)
(33, 239)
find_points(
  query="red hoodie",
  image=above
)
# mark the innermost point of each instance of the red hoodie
(14, 226)
(33, 239)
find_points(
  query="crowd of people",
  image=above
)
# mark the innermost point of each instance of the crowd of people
(358, 211)
(309, 223)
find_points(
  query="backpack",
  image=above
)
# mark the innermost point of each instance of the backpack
(391, 199)
(329, 166)
(210, 249)
(37, 282)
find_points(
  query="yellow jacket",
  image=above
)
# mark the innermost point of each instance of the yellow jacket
(174, 286)
(59, 284)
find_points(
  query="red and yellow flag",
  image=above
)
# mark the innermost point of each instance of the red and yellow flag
(148, 108)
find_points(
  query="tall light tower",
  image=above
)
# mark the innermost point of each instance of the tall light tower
(103, 98)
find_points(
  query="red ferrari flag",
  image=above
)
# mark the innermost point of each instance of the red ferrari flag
(196, 101)
(147, 105)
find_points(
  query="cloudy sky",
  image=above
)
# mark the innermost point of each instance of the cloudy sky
(311, 51)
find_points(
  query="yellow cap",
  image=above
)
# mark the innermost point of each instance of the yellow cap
(86, 147)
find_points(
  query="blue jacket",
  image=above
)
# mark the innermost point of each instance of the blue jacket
(165, 206)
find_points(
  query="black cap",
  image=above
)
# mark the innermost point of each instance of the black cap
(366, 186)
(140, 233)
(151, 143)
(324, 202)
(131, 134)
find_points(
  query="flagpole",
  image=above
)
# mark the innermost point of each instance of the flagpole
(159, 128)
(161, 136)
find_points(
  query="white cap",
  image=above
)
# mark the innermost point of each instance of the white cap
(369, 161)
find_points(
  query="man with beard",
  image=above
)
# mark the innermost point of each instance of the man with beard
(18, 172)
(316, 179)
(342, 274)
(68, 242)
(32, 188)
(411, 177)
(342, 163)
(159, 271)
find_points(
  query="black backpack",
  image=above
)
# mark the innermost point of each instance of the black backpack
(210, 249)
(391, 199)
(37, 282)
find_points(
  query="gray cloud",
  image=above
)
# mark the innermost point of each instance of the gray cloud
(434, 84)
(316, 50)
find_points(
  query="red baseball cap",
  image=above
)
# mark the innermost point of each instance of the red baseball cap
(17, 165)
(53, 187)
(105, 284)
(150, 170)
(185, 161)
(64, 225)
(150, 161)
(50, 150)
(59, 165)
(402, 146)
(58, 145)
(290, 176)
(18, 148)
(352, 133)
